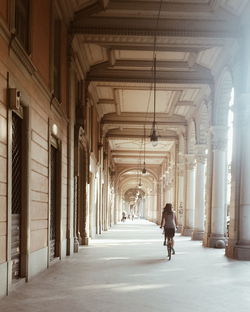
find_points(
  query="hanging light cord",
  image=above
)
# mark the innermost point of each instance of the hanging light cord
(154, 69)
(156, 26)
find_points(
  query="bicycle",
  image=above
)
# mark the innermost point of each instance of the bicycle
(169, 244)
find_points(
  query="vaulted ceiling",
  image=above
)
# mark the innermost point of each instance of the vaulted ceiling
(114, 43)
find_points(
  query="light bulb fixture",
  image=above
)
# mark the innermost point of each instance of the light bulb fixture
(153, 136)
(140, 185)
(144, 171)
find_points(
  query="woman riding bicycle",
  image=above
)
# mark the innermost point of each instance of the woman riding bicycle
(170, 222)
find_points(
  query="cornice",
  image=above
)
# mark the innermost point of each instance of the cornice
(4, 31)
(22, 55)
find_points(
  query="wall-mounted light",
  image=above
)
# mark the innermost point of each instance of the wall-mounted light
(14, 98)
(54, 129)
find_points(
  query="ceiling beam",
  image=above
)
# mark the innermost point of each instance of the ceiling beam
(143, 119)
(103, 72)
(144, 77)
(114, 7)
(106, 101)
(143, 122)
(159, 47)
(139, 136)
(136, 157)
(149, 63)
(153, 6)
(177, 27)
(116, 152)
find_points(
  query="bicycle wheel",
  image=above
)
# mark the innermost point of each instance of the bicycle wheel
(169, 251)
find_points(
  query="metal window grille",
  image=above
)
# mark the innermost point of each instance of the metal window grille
(53, 194)
(16, 194)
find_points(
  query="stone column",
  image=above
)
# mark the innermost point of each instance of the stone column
(190, 197)
(199, 194)
(158, 207)
(219, 142)
(239, 230)
(180, 214)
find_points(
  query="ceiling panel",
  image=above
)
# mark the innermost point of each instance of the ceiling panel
(148, 55)
(142, 101)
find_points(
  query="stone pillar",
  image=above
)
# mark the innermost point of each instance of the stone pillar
(190, 197)
(199, 194)
(239, 230)
(219, 142)
(180, 210)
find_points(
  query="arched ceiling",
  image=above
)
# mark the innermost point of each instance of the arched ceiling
(114, 42)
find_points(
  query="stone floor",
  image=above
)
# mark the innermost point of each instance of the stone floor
(126, 269)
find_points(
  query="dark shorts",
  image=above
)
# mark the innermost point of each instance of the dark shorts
(169, 232)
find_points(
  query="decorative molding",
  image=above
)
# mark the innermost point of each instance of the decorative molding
(219, 137)
(56, 106)
(22, 55)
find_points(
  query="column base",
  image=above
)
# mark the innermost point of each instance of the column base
(179, 228)
(76, 245)
(238, 252)
(84, 241)
(205, 239)
(187, 232)
(197, 235)
(217, 241)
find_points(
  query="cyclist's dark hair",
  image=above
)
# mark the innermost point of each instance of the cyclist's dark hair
(168, 208)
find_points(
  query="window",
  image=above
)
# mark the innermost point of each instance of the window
(57, 59)
(22, 16)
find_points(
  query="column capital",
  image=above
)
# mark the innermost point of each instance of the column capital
(181, 168)
(200, 150)
(219, 137)
(190, 161)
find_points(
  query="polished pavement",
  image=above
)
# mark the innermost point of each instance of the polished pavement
(126, 270)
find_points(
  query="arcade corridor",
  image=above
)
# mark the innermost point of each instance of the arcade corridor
(117, 107)
(126, 270)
